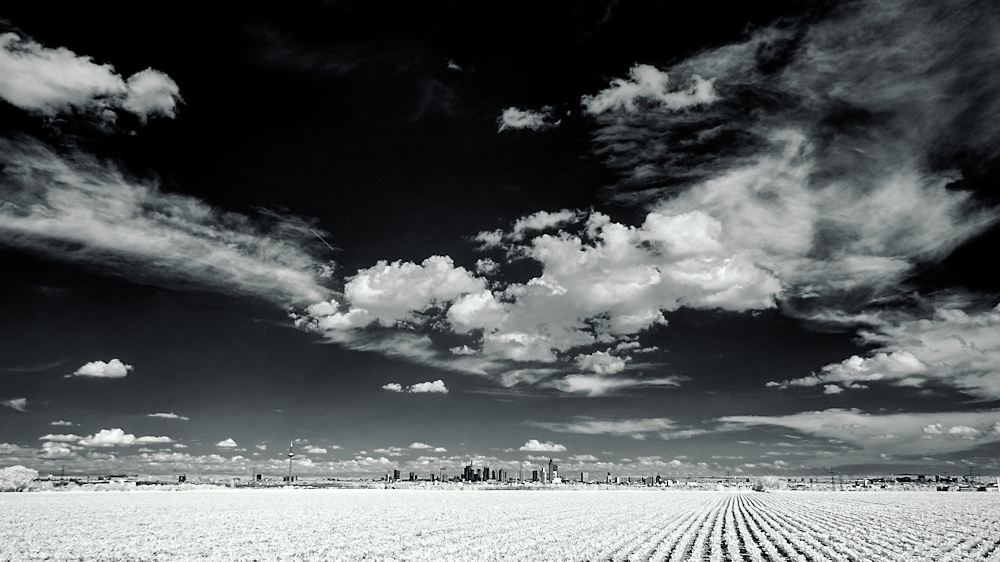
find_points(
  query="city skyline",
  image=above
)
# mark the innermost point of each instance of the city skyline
(635, 238)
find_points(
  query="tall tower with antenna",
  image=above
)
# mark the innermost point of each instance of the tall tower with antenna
(291, 454)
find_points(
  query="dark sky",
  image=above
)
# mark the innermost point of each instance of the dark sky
(637, 237)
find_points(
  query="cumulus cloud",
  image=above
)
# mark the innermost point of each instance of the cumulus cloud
(78, 209)
(52, 81)
(118, 438)
(953, 348)
(314, 450)
(419, 388)
(542, 220)
(917, 434)
(19, 404)
(650, 85)
(602, 282)
(534, 445)
(601, 362)
(583, 458)
(151, 92)
(430, 386)
(169, 416)
(514, 118)
(636, 428)
(56, 450)
(114, 369)
(61, 422)
(418, 445)
(227, 443)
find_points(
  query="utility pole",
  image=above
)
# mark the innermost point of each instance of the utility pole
(832, 485)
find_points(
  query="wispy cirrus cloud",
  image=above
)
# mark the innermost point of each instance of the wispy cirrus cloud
(19, 404)
(168, 416)
(837, 180)
(636, 428)
(601, 385)
(872, 435)
(78, 209)
(953, 348)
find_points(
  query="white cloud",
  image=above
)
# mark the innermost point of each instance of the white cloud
(542, 220)
(601, 362)
(390, 292)
(61, 437)
(597, 385)
(262, 446)
(130, 227)
(55, 450)
(911, 433)
(535, 445)
(113, 369)
(19, 404)
(486, 266)
(51, 81)
(419, 445)
(314, 450)
(118, 438)
(741, 207)
(169, 416)
(583, 458)
(514, 118)
(151, 92)
(599, 285)
(430, 386)
(635, 428)
(833, 209)
(649, 85)
(954, 348)
(419, 388)
(63, 423)
(440, 450)
(391, 451)
(227, 443)
(832, 389)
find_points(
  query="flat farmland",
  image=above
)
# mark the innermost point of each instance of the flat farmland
(499, 525)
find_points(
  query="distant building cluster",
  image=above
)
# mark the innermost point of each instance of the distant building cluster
(545, 474)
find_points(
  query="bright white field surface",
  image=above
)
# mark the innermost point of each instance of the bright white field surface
(499, 525)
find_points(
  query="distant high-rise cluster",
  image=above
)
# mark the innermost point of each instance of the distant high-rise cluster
(547, 473)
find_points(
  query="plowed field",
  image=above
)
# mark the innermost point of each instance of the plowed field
(499, 525)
